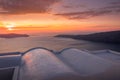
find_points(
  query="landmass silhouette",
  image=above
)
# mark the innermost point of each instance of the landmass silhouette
(13, 35)
(104, 37)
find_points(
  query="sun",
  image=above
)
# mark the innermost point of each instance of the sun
(10, 27)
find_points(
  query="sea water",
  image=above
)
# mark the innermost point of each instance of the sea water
(25, 43)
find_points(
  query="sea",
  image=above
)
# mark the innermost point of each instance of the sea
(22, 44)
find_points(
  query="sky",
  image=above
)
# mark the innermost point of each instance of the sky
(52, 16)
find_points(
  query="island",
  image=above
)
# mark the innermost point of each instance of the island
(13, 35)
(104, 37)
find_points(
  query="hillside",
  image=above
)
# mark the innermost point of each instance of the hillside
(12, 35)
(105, 37)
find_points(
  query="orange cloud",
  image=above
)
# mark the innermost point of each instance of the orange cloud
(25, 6)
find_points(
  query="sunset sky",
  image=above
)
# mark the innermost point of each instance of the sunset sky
(32, 16)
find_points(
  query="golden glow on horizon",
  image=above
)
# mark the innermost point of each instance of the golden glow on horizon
(10, 26)
(31, 23)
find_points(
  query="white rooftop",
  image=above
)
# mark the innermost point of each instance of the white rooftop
(69, 64)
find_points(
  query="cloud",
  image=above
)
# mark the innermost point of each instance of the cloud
(77, 6)
(115, 2)
(113, 7)
(85, 14)
(25, 6)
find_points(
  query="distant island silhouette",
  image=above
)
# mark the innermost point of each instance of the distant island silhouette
(104, 37)
(13, 35)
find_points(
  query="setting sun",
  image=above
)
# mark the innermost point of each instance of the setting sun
(10, 26)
